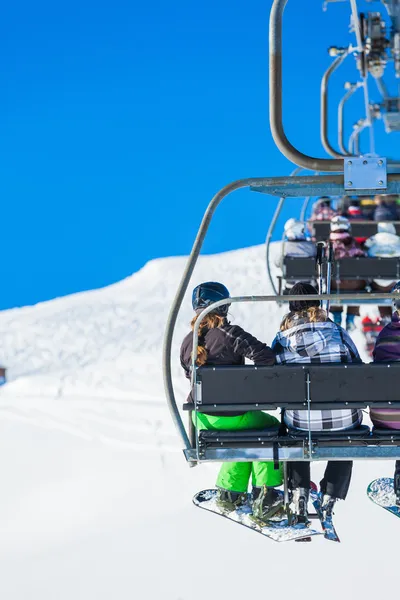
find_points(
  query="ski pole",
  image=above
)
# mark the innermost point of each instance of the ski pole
(319, 260)
(329, 274)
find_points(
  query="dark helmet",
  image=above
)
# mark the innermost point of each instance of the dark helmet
(396, 302)
(207, 293)
(299, 289)
(323, 201)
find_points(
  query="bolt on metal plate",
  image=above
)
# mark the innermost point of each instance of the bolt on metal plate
(365, 173)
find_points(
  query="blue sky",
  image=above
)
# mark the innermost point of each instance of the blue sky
(119, 121)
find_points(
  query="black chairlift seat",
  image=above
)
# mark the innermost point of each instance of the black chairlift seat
(273, 434)
(297, 269)
(359, 229)
(363, 267)
(227, 389)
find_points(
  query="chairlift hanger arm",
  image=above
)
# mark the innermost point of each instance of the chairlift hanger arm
(275, 100)
(271, 230)
(324, 105)
(353, 87)
(354, 140)
(275, 96)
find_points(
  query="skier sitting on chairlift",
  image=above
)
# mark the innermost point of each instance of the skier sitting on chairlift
(386, 208)
(384, 244)
(221, 343)
(308, 336)
(295, 244)
(345, 246)
(322, 210)
(387, 350)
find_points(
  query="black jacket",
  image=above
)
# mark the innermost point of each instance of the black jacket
(227, 345)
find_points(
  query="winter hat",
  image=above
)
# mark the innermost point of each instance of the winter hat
(302, 288)
(294, 230)
(340, 223)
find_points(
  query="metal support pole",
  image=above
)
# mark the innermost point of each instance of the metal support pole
(286, 491)
(382, 87)
(304, 208)
(341, 105)
(368, 114)
(319, 260)
(354, 141)
(309, 416)
(329, 275)
(268, 242)
(324, 106)
(271, 230)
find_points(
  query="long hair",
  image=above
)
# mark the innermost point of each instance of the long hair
(314, 314)
(210, 321)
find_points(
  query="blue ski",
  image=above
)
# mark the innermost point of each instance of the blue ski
(326, 524)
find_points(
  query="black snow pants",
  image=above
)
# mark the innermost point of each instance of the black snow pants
(336, 480)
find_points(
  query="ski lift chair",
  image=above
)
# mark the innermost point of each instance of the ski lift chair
(225, 389)
(359, 229)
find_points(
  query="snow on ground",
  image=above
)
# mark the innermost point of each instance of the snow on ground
(95, 498)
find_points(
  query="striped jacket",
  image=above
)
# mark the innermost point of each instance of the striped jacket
(317, 343)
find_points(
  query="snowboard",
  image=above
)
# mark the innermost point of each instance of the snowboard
(277, 530)
(381, 492)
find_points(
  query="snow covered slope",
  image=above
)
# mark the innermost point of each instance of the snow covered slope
(95, 498)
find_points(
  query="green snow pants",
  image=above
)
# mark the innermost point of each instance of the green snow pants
(235, 476)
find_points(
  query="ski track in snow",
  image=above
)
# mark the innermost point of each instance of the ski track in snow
(96, 495)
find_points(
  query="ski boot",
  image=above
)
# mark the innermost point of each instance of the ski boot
(300, 501)
(266, 503)
(229, 501)
(337, 318)
(327, 504)
(350, 325)
(397, 487)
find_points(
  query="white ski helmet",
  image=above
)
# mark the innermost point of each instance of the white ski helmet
(294, 230)
(386, 227)
(340, 223)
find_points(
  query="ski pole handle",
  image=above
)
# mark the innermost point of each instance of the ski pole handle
(320, 253)
(330, 256)
(319, 260)
(329, 274)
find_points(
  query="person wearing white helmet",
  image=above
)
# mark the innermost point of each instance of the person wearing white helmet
(384, 244)
(345, 246)
(295, 244)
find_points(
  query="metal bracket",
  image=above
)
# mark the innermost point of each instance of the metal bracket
(310, 451)
(197, 393)
(365, 173)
